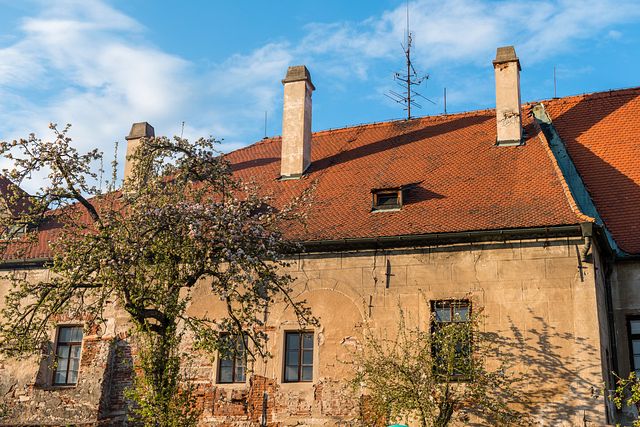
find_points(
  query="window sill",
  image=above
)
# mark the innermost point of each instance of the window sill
(376, 210)
(52, 387)
(297, 385)
(232, 386)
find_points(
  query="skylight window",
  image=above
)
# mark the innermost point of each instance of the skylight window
(387, 199)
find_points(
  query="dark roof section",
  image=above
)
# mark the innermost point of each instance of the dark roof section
(602, 134)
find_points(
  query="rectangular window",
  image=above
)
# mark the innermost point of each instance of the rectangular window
(451, 338)
(386, 199)
(232, 367)
(634, 343)
(68, 347)
(298, 359)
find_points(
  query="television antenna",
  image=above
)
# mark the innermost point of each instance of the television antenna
(409, 80)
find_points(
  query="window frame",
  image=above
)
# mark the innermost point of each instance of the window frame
(630, 338)
(234, 360)
(377, 193)
(301, 349)
(452, 304)
(71, 345)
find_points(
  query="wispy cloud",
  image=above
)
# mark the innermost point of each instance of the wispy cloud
(90, 64)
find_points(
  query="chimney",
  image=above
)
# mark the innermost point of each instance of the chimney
(138, 131)
(508, 108)
(296, 122)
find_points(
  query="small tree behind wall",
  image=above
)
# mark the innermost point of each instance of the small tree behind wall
(434, 376)
(180, 220)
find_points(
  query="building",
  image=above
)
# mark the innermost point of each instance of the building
(525, 212)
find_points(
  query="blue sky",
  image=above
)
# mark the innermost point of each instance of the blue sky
(217, 65)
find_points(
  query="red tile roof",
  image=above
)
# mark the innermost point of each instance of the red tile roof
(602, 134)
(464, 181)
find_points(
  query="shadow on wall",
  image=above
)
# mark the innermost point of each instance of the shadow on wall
(556, 375)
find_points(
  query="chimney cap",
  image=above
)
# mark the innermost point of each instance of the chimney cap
(506, 54)
(298, 73)
(141, 130)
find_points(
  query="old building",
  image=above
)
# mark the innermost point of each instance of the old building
(525, 213)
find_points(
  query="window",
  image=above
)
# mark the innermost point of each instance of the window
(451, 338)
(298, 357)
(634, 343)
(387, 199)
(68, 347)
(232, 367)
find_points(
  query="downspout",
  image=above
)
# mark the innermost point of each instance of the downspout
(587, 233)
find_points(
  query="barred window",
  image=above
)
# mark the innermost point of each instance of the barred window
(451, 338)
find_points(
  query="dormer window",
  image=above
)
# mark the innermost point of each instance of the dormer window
(387, 199)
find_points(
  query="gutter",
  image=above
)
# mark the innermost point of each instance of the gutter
(24, 263)
(412, 240)
(403, 241)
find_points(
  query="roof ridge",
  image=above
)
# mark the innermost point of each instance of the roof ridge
(442, 117)
(590, 96)
(439, 117)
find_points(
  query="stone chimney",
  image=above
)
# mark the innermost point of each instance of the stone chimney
(138, 131)
(296, 122)
(508, 108)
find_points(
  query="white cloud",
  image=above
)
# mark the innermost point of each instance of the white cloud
(87, 63)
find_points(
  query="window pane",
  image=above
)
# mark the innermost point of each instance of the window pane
(307, 373)
(292, 358)
(70, 334)
(307, 357)
(307, 341)
(461, 314)
(291, 373)
(62, 366)
(635, 326)
(636, 362)
(239, 374)
(60, 377)
(63, 351)
(636, 347)
(74, 364)
(443, 314)
(75, 351)
(226, 374)
(293, 341)
(73, 377)
(388, 200)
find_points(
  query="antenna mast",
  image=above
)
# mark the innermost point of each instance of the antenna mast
(409, 80)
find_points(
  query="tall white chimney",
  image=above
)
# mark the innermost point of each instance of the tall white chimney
(138, 131)
(508, 105)
(296, 122)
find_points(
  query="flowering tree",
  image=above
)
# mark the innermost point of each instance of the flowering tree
(180, 219)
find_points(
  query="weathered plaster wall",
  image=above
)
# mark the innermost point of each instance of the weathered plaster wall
(625, 282)
(533, 296)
